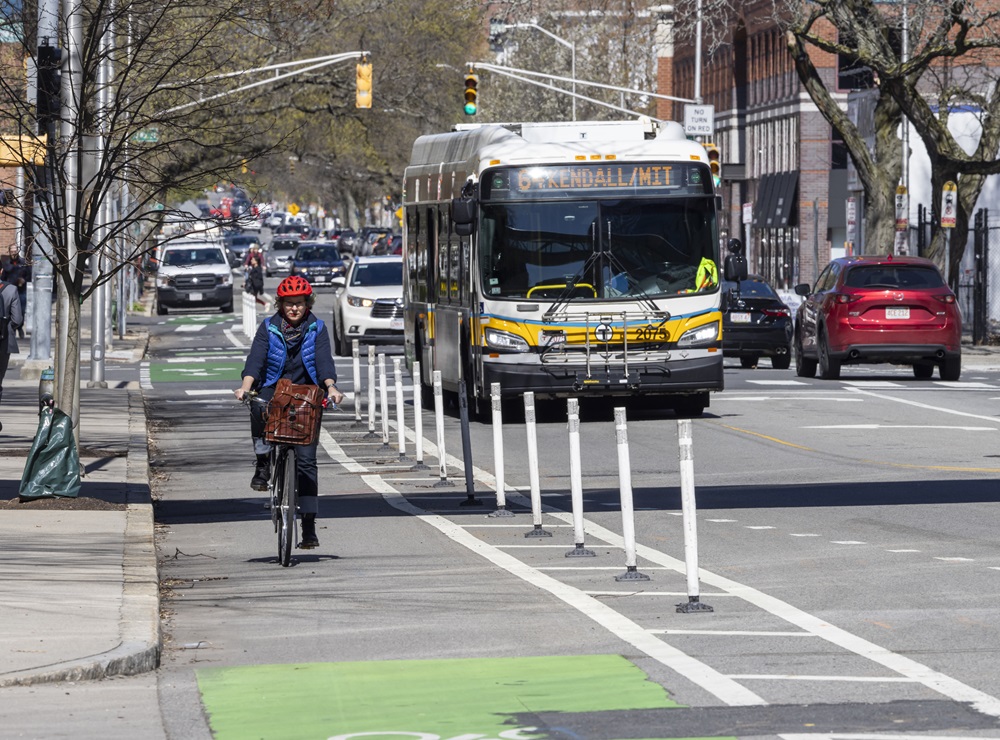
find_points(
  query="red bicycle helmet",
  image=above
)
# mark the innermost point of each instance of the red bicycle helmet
(293, 285)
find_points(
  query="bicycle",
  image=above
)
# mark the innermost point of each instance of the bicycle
(283, 492)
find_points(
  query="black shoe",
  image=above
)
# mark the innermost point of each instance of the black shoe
(260, 475)
(309, 539)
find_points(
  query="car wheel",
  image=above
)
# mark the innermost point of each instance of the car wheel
(783, 361)
(951, 368)
(829, 368)
(228, 308)
(343, 348)
(160, 310)
(749, 361)
(923, 371)
(805, 367)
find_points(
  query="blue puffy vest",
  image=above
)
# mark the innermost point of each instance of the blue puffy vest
(277, 352)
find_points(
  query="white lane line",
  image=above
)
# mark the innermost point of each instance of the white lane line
(333, 449)
(758, 527)
(957, 560)
(190, 327)
(902, 550)
(672, 594)
(236, 341)
(847, 542)
(777, 382)
(720, 521)
(784, 398)
(144, 380)
(871, 736)
(526, 547)
(803, 535)
(503, 526)
(964, 384)
(786, 677)
(601, 567)
(927, 406)
(725, 689)
(209, 392)
(872, 384)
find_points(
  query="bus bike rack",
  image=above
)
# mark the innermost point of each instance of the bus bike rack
(559, 350)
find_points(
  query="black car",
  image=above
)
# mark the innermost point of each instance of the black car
(317, 262)
(755, 323)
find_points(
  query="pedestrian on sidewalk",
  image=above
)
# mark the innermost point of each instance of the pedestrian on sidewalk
(293, 344)
(11, 319)
(19, 274)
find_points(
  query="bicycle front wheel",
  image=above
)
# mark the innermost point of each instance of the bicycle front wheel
(287, 505)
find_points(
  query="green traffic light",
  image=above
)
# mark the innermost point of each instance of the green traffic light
(470, 109)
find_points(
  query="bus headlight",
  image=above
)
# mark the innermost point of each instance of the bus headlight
(504, 342)
(700, 337)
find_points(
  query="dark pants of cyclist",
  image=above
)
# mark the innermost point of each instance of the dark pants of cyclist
(305, 456)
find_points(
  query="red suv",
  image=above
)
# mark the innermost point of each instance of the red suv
(878, 309)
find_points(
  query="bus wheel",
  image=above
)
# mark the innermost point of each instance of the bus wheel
(690, 407)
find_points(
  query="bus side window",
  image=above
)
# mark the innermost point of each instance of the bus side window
(434, 275)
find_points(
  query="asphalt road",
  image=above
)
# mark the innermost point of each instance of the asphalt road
(845, 534)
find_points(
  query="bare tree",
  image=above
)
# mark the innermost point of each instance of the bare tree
(950, 62)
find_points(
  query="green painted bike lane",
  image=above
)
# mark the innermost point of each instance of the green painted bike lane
(455, 699)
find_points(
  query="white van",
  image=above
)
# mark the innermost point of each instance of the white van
(193, 275)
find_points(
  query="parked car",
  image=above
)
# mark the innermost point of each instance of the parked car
(878, 309)
(194, 276)
(369, 304)
(240, 243)
(278, 257)
(318, 262)
(755, 323)
(347, 240)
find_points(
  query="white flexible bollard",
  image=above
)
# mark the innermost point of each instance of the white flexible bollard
(397, 377)
(418, 416)
(356, 365)
(371, 393)
(536, 493)
(439, 424)
(628, 511)
(383, 400)
(576, 480)
(495, 401)
(685, 453)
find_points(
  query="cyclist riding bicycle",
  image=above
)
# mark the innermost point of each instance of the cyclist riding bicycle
(293, 344)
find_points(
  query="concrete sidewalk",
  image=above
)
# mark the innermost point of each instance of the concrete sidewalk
(79, 592)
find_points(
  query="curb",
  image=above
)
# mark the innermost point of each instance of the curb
(139, 625)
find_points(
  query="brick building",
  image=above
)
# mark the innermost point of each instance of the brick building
(777, 150)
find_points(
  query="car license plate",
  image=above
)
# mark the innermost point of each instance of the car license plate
(194, 296)
(739, 318)
(396, 324)
(894, 312)
(320, 278)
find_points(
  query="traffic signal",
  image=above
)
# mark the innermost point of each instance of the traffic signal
(714, 163)
(471, 93)
(363, 94)
(49, 101)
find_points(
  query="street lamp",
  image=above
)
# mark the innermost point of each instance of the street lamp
(501, 27)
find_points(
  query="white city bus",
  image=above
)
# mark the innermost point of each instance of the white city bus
(568, 259)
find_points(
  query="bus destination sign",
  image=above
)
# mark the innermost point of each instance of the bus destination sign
(519, 182)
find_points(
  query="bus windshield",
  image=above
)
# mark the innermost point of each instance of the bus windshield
(597, 249)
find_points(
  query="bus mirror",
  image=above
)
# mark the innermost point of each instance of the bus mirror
(735, 268)
(463, 211)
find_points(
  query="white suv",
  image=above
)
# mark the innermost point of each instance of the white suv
(369, 303)
(195, 275)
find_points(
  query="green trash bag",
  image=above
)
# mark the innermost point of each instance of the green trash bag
(53, 466)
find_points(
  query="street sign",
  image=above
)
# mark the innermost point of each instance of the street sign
(293, 209)
(699, 120)
(149, 135)
(852, 225)
(949, 204)
(748, 213)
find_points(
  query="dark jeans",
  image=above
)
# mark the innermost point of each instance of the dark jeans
(305, 456)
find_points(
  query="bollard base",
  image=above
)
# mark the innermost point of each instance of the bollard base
(403, 458)
(419, 466)
(444, 483)
(693, 605)
(581, 552)
(538, 532)
(471, 501)
(500, 513)
(371, 435)
(631, 574)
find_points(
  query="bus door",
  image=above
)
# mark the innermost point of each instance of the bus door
(449, 314)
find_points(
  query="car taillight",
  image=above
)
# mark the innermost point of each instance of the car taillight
(950, 298)
(776, 312)
(846, 297)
